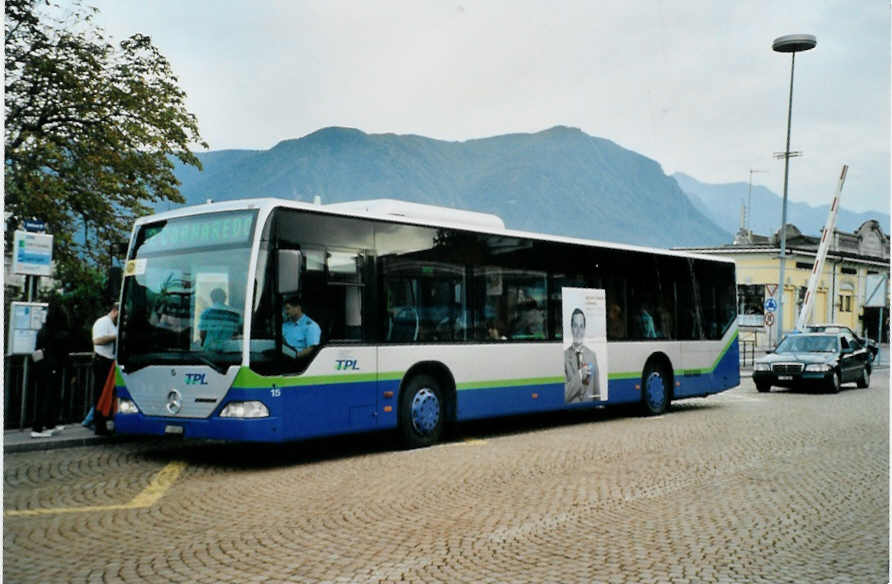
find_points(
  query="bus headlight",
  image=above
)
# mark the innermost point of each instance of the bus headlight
(125, 406)
(762, 367)
(818, 367)
(245, 409)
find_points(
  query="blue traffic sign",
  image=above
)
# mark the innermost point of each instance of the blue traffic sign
(35, 226)
(770, 304)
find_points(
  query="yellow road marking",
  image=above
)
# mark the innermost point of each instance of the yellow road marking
(473, 441)
(154, 491)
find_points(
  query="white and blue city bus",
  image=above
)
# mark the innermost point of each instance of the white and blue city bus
(428, 316)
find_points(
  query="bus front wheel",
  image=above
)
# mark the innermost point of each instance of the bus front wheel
(655, 388)
(421, 412)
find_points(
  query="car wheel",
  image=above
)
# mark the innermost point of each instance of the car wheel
(835, 383)
(421, 412)
(763, 387)
(655, 390)
(864, 380)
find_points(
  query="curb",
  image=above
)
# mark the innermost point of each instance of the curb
(36, 444)
(22, 442)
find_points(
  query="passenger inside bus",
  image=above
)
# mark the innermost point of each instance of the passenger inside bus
(616, 326)
(529, 323)
(218, 323)
(493, 331)
(645, 322)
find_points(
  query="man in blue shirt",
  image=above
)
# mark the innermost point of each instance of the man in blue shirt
(299, 331)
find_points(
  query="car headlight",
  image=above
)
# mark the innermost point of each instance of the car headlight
(125, 406)
(245, 409)
(818, 367)
(762, 367)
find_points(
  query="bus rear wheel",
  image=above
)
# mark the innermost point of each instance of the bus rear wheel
(655, 388)
(421, 412)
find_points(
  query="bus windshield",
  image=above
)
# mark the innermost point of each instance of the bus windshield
(184, 292)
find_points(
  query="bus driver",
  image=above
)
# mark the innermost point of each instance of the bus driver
(299, 331)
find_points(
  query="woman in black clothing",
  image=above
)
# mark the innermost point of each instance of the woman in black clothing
(50, 356)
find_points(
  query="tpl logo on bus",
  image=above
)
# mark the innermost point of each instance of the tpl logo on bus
(196, 379)
(345, 364)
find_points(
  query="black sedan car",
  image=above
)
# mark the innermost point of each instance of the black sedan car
(869, 344)
(823, 360)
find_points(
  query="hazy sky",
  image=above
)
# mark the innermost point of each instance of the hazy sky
(692, 84)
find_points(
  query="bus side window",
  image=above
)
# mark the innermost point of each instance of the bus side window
(616, 313)
(400, 293)
(526, 302)
(486, 286)
(343, 294)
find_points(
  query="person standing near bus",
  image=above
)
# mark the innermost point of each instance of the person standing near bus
(50, 355)
(299, 331)
(580, 365)
(105, 331)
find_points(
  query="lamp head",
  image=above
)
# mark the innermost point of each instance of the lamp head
(794, 43)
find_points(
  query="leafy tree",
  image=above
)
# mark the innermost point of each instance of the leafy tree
(91, 132)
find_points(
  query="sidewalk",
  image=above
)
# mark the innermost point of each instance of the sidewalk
(72, 435)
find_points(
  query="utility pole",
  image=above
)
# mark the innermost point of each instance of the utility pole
(749, 200)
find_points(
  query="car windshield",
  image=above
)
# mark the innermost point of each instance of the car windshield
(808, 344)
(184, 292)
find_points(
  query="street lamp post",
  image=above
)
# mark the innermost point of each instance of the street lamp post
(792, 44)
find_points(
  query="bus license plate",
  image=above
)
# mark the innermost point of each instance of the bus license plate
(785, 378)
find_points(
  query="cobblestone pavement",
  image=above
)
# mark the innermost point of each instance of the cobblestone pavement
(741, 487)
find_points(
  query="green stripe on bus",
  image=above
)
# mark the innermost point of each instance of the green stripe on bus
(715, 364)
(682, 372)
(508, 383)
(249, 380)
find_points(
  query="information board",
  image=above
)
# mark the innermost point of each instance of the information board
(32, 254)
(25, 319)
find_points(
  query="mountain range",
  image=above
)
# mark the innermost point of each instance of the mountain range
(559, 181)
(722, 204)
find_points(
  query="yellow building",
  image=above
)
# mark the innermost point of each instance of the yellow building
(856, 263)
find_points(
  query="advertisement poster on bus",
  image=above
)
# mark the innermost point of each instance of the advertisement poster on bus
(585, 344)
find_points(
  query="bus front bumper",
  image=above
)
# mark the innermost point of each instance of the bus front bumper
(268, 429)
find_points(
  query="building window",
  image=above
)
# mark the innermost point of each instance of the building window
(845, 303)
(750, 304)
(850, 271)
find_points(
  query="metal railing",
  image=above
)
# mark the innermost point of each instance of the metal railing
(76, 395)
(747, 347)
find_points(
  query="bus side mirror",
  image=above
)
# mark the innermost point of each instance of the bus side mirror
(290, 262)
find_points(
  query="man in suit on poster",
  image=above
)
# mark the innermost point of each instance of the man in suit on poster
(580, 365)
